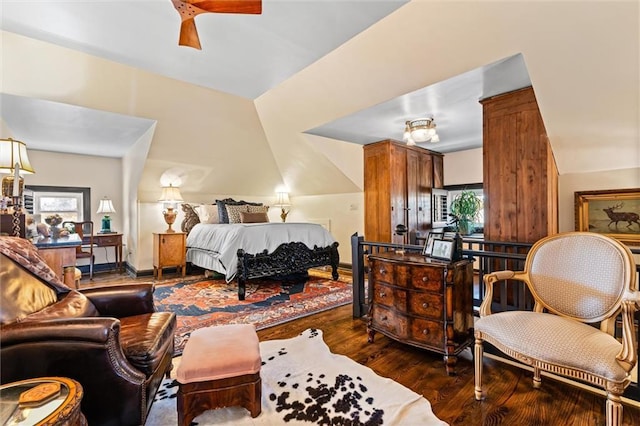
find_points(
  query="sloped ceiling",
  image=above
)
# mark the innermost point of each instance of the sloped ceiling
(581, 58)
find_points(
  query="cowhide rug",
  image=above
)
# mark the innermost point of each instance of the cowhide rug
(304, 383)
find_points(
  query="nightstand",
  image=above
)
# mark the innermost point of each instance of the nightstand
(169, 249)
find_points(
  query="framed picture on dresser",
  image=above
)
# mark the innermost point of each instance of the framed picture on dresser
(428, 245)
(442, 249)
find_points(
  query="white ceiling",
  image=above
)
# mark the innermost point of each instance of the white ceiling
(244, 55)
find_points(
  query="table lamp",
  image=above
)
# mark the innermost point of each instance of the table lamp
(170, 195)
(282, 202)
(106, 208)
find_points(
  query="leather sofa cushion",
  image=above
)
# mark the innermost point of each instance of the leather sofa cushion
(21, 292)
(146, 338)
(72, 305)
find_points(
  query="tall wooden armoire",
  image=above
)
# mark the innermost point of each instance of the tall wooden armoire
(397, 189)
(520, 174)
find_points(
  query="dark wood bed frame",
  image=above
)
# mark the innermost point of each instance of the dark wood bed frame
(288, 259)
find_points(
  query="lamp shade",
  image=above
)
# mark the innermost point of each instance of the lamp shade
(282, 199)
(170, 194)
(12, 152)
(106, 206)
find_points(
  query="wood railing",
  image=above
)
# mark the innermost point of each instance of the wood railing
(488, 256)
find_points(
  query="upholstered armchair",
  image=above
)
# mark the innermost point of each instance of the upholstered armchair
(581, 282)
(109, 339)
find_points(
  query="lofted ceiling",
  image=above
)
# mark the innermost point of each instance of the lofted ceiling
(243, 55)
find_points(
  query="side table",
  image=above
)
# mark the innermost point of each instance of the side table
(64, 409)
(108, 240)
(169, 249)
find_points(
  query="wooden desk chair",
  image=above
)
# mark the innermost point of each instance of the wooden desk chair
(86, 250)
(577, 279)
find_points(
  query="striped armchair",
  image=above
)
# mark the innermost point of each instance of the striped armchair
(580, 283)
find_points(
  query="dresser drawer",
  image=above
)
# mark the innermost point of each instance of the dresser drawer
(382, 271)
(430, 279)
(387, 320)
(390, 296)
(427, 332)
(430, 305)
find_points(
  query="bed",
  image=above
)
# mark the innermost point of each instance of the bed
(244, 251)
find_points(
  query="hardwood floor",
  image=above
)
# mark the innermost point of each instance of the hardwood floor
(510, 397)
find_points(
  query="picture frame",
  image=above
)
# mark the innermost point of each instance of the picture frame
(442, 249)
(614, 213)
(428, 245)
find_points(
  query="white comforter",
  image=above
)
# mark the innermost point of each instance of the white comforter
(215, 246)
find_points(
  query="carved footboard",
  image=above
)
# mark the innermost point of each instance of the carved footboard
(288, 258)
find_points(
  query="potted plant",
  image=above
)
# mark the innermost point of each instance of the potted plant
(464, 210)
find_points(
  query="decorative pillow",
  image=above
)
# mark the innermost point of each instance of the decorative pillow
(233, 212)
(207, 213)
(248, 217)
(257, 209)
(190, 218)
(222, 211)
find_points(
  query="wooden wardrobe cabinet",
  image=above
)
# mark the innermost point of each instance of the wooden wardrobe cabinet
(397, 189)
(422, 302)
(520, 174)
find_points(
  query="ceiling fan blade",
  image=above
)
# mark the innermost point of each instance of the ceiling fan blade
(189, 9)
(189, 34)
(230, 6)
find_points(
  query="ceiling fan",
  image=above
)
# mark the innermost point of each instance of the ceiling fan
(189, 9)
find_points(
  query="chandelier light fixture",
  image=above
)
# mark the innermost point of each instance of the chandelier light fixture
(420, 130)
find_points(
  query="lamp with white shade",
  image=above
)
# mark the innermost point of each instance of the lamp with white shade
(282, 201)
(13, 161)
(170, 195)
(106, 208)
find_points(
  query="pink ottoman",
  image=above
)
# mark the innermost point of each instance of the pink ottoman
(220, 367)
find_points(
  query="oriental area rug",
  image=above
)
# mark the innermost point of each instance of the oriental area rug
(268, 302)
(304, 383)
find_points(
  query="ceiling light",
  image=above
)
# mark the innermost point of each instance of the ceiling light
(420, 130)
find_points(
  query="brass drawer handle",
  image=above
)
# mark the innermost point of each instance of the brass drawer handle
(425, 305)
(382, 294)
(383, 271)
(384, 318)
(425, 279)
(425, 331)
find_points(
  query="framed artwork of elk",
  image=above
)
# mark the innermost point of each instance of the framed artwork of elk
(614, 212)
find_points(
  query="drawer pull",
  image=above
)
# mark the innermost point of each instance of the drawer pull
(384, 318)
(425, 331)
(383, 294)
(425, 305)
(425, 279)
(383, 271)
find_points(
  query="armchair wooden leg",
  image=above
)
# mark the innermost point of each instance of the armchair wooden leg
(614, 410)
(537, 381)
(478, 352)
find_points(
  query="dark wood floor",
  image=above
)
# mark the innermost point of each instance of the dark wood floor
(510, 397)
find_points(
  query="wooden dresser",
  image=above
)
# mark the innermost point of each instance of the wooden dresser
(422, 302)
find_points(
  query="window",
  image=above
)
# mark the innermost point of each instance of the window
(72, 203)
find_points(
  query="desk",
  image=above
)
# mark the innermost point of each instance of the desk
(61, 410)
(59, 253)
(108, 240)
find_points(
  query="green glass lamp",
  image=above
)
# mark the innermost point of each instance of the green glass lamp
(106, 208)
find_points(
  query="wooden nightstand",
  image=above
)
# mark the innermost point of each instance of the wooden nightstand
(169, 249)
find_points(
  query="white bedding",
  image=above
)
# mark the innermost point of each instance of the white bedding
(215, 246)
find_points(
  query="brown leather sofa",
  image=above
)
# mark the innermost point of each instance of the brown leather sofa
(109, 339)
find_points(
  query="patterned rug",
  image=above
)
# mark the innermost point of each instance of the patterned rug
(304, 383)
(268, 302)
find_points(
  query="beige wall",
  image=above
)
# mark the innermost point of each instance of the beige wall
(101, 174)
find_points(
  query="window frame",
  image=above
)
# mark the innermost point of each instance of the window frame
(85, 191)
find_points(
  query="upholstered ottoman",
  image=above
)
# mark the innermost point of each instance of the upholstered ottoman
(220, 367)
